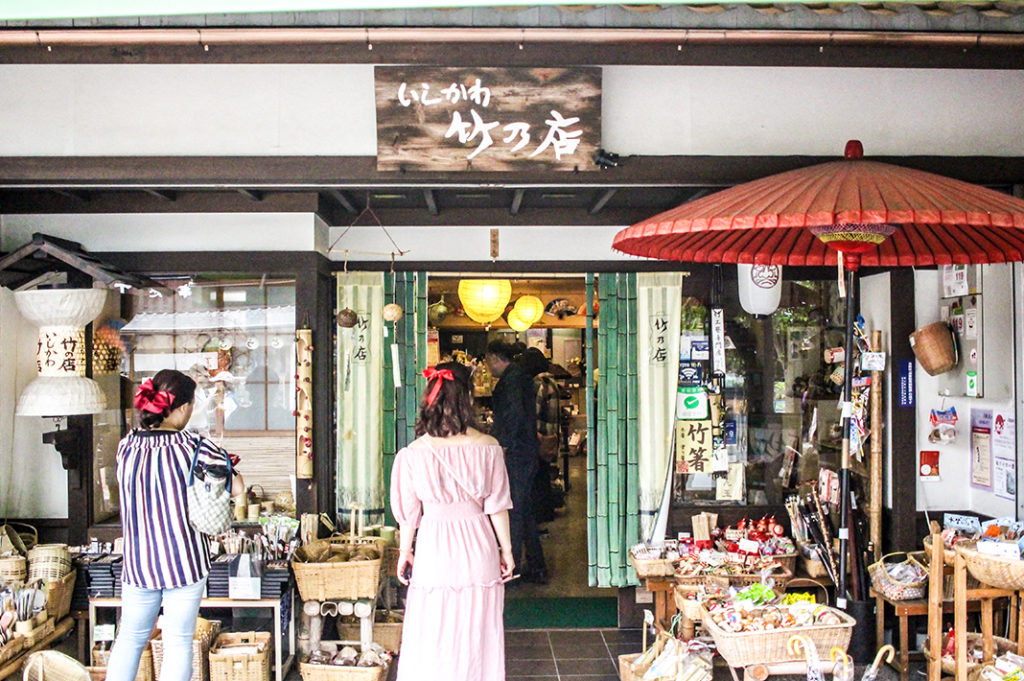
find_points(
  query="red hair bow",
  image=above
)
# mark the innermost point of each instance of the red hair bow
(147, 398)
(442, 375)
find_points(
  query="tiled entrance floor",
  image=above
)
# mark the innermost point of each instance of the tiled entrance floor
(567, 654)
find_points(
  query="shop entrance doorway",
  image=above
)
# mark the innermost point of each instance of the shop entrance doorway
(560, 491)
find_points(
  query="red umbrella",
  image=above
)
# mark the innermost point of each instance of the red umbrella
(865, 212)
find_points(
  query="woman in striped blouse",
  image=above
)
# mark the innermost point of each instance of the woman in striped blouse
(166, 561)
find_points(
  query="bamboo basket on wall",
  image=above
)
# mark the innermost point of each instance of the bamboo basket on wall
(935, 348)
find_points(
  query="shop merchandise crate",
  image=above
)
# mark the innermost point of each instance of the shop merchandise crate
(100, 659)
(200, 652)
(330, 672)
(387, 634)
(626, 671)
(11, 649)
(340, 581)
(780, 577)
(658, 567)
(892, 588)
(58, 595)
(948, 663)
(241, 657)
(741, 649)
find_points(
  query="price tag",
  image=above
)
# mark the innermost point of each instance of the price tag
(872, 361)
(103, 632)
(749, 546)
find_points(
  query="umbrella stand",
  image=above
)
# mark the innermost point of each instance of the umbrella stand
(845, 526)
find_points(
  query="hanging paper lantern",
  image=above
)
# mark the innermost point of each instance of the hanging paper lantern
(516, 322)
(392, 312)
(760, 288)
(529, 309)
(484, 300)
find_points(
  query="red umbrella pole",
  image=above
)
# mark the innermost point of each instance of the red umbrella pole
(844, 473)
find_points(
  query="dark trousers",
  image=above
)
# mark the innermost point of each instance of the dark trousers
(522, 518)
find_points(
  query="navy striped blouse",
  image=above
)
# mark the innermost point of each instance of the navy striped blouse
(161, 550)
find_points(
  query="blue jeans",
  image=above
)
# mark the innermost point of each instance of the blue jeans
(139, 610)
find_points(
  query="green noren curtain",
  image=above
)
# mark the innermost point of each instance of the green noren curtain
(613, 523)
(409, 334)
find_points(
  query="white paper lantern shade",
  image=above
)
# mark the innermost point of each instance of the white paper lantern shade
(61, 388)
(760, 288)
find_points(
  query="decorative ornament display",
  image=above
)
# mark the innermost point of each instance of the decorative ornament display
(347, 318)
(437, 312)
(392, 312)
(304, 403)
(760, 288)
(62, 388)
(484, 300)
(516, 322)
(529, 309)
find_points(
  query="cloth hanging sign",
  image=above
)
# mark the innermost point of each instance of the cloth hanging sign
(693, 447)
(731, 487)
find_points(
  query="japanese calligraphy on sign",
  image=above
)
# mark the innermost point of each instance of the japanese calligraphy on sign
(658, 353)
(60, 351)
(487, 119)
(361, 340)
(693, 447)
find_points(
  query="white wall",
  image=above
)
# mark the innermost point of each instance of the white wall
(328, 109)
(172, 231)
(953, 491)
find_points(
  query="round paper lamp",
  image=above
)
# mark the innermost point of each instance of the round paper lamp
(484, 300)
(530, 309)
(760, 288)
(516, 322)
(62, 388)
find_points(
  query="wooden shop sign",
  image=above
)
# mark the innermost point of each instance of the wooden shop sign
(487, 119)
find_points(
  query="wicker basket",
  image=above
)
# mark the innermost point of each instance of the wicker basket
(948, 555)
(767, 647)
(12, 649)
(50, 665)
(781, 578)
(58, 596)
(330, 672)
(230, 663)
(333, 581)
(98, 672)
(948, 664)
(894, 590)
(13, 570)
(1000, 573)
(200, 653)
(49, 562)
(788, 560)
(626, 667)
(935, 348)
(387, 634)
(689, 607)
(659, 567)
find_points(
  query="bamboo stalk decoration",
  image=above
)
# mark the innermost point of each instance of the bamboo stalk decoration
(876, 451)
(304, 404)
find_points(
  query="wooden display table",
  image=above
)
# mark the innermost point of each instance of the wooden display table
(13, 668)
(904, 610)
(664, 599)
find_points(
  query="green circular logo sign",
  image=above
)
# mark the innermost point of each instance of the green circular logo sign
(691, 402)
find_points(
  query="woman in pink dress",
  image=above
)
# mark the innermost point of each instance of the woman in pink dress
(449, 490)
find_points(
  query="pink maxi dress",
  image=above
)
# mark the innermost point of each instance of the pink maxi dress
(454, 628)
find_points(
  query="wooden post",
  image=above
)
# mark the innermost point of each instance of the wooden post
(876, 451)
(960, 614)
(935, 598)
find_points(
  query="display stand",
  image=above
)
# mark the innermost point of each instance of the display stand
(283, 609)
(13, 668)
(986, 594)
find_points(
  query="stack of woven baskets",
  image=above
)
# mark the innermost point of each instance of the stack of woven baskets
(50, 565)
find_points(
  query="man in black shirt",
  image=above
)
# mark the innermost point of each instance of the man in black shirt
(515, 428)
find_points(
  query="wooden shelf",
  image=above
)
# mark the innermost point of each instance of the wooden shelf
(452, 323)
(14, 666)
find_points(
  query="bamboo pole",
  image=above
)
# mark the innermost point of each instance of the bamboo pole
(935, 597)
(876, 451)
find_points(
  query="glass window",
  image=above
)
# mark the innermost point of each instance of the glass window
(780, 397)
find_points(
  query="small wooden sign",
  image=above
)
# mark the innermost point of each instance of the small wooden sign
(487, 119)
